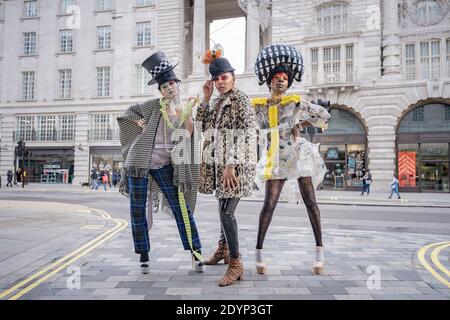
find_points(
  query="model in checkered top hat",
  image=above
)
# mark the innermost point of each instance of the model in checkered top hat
(287, 156)
(146, 133)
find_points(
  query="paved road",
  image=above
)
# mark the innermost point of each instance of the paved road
(360, 242)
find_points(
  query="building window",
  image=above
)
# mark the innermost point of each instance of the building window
(66, 41)
(314, 65)
(349, 62)
(47, 128)
(65, 83)
(447, 113)
(143, 34)
(104, 37)
(410, 59)
(332, 64)
(104, 5)
(65, 4)
(417, 114)
(30, 9)
(100, 127)
(448, 58)
(142, 79)
(28, 85)
(29, 43)
(428, 12)
(143, 3)
(332, 18)
(67, 124)
(103, 81)
(430, 58)
(25, 126)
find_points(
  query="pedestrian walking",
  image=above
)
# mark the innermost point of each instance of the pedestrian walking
(394, 187)
(368, 181)
(364, 185)
(10, 176)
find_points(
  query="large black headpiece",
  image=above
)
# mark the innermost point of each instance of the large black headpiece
(279, 58)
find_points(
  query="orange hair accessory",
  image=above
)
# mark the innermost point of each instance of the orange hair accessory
(211, 55)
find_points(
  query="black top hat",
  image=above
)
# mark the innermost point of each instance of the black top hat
(219, 66)
(159, 68)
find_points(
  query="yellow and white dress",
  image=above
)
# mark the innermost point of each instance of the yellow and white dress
(282, 155)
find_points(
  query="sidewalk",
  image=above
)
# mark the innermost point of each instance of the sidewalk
(438, 200)
(427, 200)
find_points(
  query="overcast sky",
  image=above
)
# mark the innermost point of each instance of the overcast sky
(230, 33)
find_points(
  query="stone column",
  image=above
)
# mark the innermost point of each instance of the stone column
(252, 38)
(391, 41)
(81, 166)
(199, 36)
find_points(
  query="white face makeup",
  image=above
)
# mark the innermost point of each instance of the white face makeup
(170, 90)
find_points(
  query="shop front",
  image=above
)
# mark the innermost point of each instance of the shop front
(423, 159)
(49, 165)
(343, 147)
(106, 159)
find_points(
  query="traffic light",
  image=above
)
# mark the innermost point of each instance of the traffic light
(20, 147)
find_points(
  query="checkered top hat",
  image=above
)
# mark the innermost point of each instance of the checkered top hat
(159, 68)
(279, 58)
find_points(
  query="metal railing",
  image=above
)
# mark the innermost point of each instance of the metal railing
(103, 135)
(44, 135)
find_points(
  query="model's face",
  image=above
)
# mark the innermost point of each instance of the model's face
(169, 90)
(224, 82)
(279, 83)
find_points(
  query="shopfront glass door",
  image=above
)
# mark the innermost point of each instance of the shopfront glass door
(334, 178)
(434, 176)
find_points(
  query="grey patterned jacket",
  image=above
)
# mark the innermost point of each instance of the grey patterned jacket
(137, 147)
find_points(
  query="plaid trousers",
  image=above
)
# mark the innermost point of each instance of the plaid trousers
(138, 203)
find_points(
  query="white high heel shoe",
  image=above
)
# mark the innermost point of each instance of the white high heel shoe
(318, 264)
(197, 265)
(260, 263)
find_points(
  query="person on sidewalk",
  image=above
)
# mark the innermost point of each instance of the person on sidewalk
(364, 184)
(368, 181)
(149, 134)
(105, 179)
(229, 156)
(286, 155)
(394, 187)
(94, 177)
(10, 176)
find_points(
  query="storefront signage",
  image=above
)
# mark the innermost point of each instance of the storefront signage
(51, 167)
(407, 169)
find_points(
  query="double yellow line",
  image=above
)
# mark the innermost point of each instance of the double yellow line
(436, 249)
(42, 275)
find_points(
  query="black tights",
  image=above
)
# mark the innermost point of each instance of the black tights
(273, 191)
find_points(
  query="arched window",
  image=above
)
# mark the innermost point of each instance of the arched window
(423, 138)
(343, 147)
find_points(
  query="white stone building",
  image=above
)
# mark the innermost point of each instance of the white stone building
(385, 66)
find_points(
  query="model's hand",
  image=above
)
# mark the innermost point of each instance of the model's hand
(141, 123)
(229, 180)
(190, 125)
(208, 89)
